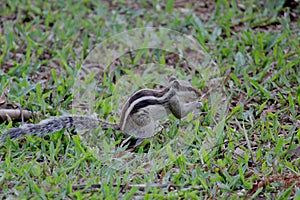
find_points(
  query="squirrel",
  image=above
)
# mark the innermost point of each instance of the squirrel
(139, 115)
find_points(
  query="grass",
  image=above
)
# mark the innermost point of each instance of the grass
(252, 153)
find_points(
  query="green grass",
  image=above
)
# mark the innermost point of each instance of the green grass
(247, 155)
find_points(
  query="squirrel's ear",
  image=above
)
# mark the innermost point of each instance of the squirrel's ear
(172, 78)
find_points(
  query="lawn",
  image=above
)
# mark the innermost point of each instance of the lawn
(242, 144)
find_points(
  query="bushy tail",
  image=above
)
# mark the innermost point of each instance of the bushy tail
(55, 124)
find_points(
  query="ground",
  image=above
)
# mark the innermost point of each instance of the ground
(255, 45)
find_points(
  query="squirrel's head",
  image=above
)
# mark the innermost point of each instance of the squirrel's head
(184, 89)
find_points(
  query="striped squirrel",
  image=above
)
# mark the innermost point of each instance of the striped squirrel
(139, 115)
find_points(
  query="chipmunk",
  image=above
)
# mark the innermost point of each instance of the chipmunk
(139, 116)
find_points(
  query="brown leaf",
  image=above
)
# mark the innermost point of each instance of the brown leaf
(295, 152)
(3, 95)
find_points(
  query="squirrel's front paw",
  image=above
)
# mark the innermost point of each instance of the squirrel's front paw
(199, 105)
